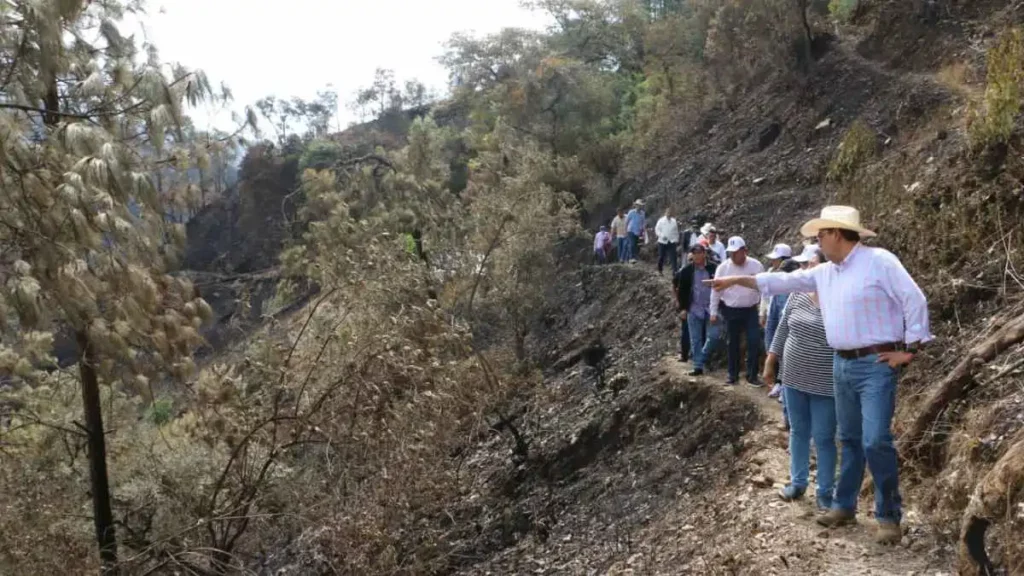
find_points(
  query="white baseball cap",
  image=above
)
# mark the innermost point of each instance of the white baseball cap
(707, 228)
(735, 243)
(810, 251)
(780, 251)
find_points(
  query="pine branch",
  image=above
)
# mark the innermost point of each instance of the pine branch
(42, 111)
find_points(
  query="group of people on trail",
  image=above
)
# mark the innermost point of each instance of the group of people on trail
(627, 230)
(839, 320)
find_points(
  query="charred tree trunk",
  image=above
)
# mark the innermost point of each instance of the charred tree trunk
(957, 384)
(992, 499)
(103, 518)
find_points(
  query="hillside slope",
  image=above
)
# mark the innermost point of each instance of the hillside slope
(656, 472)
(646, 471)
(950, 209)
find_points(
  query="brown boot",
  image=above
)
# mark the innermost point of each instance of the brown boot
(837, 517)
(888, 533)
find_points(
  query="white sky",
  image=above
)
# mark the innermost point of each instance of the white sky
(296, 47)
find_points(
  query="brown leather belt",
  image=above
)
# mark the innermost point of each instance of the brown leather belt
(868, 351)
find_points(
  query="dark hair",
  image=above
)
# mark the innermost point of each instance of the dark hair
(849, 235)
(789, 266)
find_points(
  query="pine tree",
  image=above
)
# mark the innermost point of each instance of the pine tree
(87, 119)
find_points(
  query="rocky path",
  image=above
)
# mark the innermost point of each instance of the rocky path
(748, 529)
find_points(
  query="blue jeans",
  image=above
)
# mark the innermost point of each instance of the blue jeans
(865, 402)
(741, 321)
(634, 246)
(812, 416)
(622, 247)
(703, 336)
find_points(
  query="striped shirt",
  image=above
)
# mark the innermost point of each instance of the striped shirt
(800, 341)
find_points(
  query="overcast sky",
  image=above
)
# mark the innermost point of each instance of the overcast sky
(295, 47)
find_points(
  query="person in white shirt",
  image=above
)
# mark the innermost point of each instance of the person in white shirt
(738, 306)
(667, 231)
(710, 233)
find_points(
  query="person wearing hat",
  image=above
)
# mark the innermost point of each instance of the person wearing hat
(876, 318)
(779, 255)
(738, 306)
(716, 248)
(808, 378)
(780, 258)
(693, 299)
(691, 236)
(636, 223)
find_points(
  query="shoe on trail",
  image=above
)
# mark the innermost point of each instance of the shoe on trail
(776, 391)
(790, 493)
(837, 517)
(888, 533)
(755, 383)
(696, 372)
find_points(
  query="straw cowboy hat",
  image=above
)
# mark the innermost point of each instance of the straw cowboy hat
(845, 217)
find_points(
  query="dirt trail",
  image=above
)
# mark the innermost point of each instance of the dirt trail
(744, 528)
(756, 532)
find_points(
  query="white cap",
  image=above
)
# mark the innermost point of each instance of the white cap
(638, 202)
(735, 243)
(707, 228)
(810, 251)
(780, 251)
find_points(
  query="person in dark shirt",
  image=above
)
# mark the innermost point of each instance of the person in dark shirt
(693, 299)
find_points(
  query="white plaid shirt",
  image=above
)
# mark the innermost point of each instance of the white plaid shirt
(866, 300)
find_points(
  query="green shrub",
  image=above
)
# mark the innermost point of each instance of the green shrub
(858, 146)
(843, 10)
(992, 122)
(160, 411)
(320, 155)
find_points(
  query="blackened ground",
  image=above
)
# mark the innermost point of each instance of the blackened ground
(602, 463)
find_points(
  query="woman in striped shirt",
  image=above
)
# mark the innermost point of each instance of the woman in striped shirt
(808, 389)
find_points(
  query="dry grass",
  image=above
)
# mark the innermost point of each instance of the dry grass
(957, 76)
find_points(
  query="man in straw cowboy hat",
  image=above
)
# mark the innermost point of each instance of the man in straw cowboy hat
(636, 224)
(875, 318)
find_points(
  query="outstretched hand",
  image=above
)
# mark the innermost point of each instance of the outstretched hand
(720, 283)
